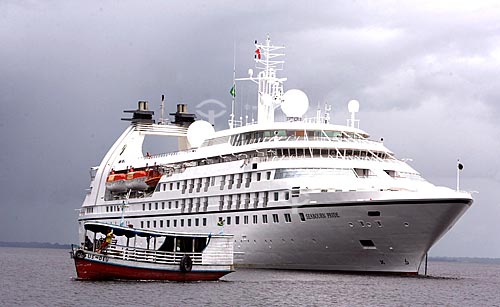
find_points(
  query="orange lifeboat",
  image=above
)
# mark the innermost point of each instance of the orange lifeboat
(154, 177)
(136, 180)
(116, 182)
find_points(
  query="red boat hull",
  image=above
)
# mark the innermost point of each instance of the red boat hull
(95, 270)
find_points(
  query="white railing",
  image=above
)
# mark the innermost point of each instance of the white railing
(148, 255)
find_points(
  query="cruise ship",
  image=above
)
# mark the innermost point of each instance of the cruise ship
(300, 193)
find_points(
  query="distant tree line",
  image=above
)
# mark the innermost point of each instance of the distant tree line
(35, 245)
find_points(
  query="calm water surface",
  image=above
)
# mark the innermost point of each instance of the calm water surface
(45, 277)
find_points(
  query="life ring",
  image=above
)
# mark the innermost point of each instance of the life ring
(186, 264)
(80, 254)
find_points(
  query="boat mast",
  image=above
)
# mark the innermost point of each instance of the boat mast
(270, 87)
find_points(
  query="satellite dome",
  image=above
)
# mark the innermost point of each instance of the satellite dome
(353, 106)
(198, 132)
(295, 103)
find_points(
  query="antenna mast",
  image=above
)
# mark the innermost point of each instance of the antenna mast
(270, 89)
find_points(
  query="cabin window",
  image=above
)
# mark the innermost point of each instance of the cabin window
(255, 219)
(287, 195)
(258, 176)
(302, 217)
(264, 219)
(236, 220)
(169, 205)
(176, 204)
(245, 219)
(171, 186)
(275, 218)
(268, 175)
(182, 222)
(149, 206)
(142, 224)
(162, 205)
(154, 224)
(149, 224)
(288, 218)
(175, 223)
(168, 223)
(204, 221)
(367, 244)
(197, 222)
(189, 222)
(143, 207)
(228, 220)
(276, 196)
(178, 185)
(373, 213)
(156, 206)
(254, 165)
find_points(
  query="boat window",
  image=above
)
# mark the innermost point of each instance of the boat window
(288, 218)
(149, 206)
(196, 222)
(184, 244)
(276, 196)
(182, 222)
(268, 175)
(236, 220)
(255, 219)
(282, 173)
(171, 186)
(163, 205)
(189, 222)
(142, 224)
(176, 204)
(367, 244)
(373, 213)
(258, 176)
(156, 206)
(302, 217)
(264, 219)
(143, 207)
(228, 219)
(149, 224)
(154, 224)
(169, 205)
(175, 223)
(168, 223)
(204, 221)
(275, 218)
(199, 244)
(168, 245)
(362, 172)
(245, 219)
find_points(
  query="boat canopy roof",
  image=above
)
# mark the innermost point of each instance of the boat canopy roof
(132, 232)
(120, 230)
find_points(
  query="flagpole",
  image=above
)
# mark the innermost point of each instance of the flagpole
(231, 124)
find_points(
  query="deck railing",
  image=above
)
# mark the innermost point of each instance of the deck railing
(147, 255)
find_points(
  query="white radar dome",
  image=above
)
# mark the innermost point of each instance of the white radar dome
(198, 132)
(353, 106)
(295, 103)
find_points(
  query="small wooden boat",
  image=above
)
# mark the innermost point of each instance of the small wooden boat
(137, 254)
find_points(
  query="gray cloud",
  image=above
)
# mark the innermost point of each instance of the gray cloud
(424, 72)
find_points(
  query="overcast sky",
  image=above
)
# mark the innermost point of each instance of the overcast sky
(426, 74)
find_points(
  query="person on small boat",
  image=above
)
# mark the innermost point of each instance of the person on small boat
(109, 238)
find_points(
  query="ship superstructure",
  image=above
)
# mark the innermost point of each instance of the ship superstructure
(298, 194)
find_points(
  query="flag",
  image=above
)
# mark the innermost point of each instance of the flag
(257, 53)
(233, 91)
(460, 166)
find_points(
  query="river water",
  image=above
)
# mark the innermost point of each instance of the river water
(46, 277)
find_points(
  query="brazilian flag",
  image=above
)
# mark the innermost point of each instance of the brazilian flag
(233, 91)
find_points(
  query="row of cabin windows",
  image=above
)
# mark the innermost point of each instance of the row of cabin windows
(255, 219)
(231, 180)
(173, 223)
(228, 221)
(224, 201)
(260, 136)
